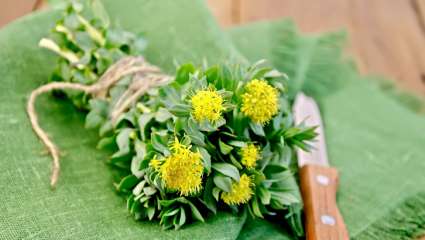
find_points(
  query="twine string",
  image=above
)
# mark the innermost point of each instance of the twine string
(145, 76)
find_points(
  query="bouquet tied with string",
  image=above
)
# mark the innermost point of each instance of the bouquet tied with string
(187, 145)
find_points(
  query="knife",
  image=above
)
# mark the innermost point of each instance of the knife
(318, 180)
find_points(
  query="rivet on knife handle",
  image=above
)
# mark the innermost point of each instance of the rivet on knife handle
(323, 219)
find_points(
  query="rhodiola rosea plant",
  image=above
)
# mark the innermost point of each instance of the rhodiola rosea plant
(220, 138)
(207, 139)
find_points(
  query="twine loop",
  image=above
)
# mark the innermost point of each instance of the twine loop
(145, 77)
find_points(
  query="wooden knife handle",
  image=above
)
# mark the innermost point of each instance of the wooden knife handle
(323, 219)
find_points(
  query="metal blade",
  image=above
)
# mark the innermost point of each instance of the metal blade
(306, 111)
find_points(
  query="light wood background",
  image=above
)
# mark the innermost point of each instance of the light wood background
(387, 37)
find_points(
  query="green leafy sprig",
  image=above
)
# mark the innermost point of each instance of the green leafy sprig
(87, 46)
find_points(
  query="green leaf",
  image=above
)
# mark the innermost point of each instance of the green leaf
(181, 110)
(127, 183)
(294, 216)
(195, 135)
(124, 119)
(149, 191)
(99, 106)
(261, 72)
(123, 139)
(121, 159)
(285, 155)
(224, 183)
(183, 73)
(167, 203)
(186, 140)
(274, 169)
(130, 202)
(285, 198)
(135, 208)
(219, 123)
(135, 166)
(257, 129)
(166, 223)
(225, 79)
(195, 212)
(137, 163)
(137, 190)
(239, 144)
(162, 115)
(227, 170)
(93, 120)
(208, 198)
(158, 144)
(147, 158)
(206, 126)
(151, 212)
(106, 142)
(143, 121)
(216, 193)
(264, 195)
(105, 128)
(144, 199)
(256, 208)
(206, 158)
(171, 212)
(212, 74)
(235, 162)
(100, 12)
(224, 148)
(182, 218)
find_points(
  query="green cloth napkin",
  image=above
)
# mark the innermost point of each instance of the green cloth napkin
(373, 139)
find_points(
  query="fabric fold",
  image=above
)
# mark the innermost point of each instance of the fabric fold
(373, 139)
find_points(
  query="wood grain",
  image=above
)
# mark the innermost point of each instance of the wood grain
(419, 6)
(12, 9)
(224, 11)
(323, 219)
(387, 37)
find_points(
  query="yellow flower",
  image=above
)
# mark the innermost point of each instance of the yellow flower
(260, 101)
(155, 164)
(250, 154)
(207, 105)
(182, 170)
(241, 192)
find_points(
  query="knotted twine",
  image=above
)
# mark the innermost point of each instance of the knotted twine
(145, 76)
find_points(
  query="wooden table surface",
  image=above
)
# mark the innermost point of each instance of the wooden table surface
(386, 37)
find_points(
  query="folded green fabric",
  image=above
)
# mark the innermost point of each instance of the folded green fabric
(85, 205)
(373, 139)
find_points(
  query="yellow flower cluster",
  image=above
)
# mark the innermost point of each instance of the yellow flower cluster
(207, 105)
(182, 170)
(155, 164)
(250, 154)
(241, 191)
(260, 101)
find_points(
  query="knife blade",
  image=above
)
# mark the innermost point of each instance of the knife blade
(318, 180)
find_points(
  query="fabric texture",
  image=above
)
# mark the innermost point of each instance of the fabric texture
(374, 140)
(85, 204)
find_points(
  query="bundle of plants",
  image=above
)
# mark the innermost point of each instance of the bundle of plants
(205, 139)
